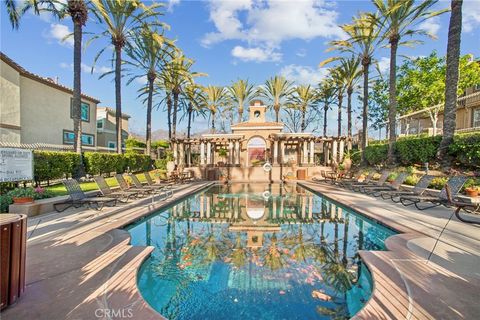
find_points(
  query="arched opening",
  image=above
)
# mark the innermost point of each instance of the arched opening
(256, 151)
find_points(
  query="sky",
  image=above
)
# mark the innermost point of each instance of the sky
(229, 40)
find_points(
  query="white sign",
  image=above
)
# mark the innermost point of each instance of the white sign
(16, 165)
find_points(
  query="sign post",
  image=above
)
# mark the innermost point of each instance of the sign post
(16, 165)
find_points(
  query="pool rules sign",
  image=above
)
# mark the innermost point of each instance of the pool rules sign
(16, 164)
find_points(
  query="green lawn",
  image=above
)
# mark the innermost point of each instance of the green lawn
(59, 189)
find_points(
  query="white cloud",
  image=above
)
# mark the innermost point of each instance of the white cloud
(58, 32)
(384, 64)
(255, 54)
(87, 68)
(431, 25)
(471, 15)
(303, 74)
(267, 23)
(301, 53)
(171, 4)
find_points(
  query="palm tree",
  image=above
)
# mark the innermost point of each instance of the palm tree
(148, 53)
(194, 99)
(362, 40)
(400, 18)
(338, 77)
(326, 95)
(451, 82)
(214, 98)
(120, 22)
(78, 11)
(241, 91)
(276, 89)
(304, 97)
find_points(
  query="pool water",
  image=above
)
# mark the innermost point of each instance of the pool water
(256, 251)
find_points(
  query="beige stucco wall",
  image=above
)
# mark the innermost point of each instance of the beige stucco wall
(248, 134)
(108, 133)
(46, 113)
(9, 103)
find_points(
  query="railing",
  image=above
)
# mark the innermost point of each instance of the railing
(59, 147)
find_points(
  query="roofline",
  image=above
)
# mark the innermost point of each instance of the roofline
(112, 112)
(27, 74)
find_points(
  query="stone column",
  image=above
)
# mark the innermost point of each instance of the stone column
(202, 153)
(209, 153)
(334, 151)
(237, 152)
(326, 151)
(175, 155)
(182, 153)
(275, 152)
(312, 152)
(341, 151)
(282, 147)
(230, 152)
(305, 153)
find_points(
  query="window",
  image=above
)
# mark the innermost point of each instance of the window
(476, 118)
(100, 124)
(84, 111)
(87, 139)
(112, 144)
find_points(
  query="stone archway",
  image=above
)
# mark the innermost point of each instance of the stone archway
(256, 151)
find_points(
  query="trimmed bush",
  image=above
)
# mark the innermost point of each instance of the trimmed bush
(417, 150)
(100, 163)
(466, 149)
(376, 154)
(49, 165)
(135, 162)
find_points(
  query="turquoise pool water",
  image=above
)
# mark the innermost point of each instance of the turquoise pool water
(256, 251)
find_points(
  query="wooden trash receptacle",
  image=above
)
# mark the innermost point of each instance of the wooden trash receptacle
(301, 174)
(13, 234)
(212, 175)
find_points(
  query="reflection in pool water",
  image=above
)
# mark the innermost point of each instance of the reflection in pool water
(253, 251)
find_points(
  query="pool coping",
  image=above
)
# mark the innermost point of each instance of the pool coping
(389, 268)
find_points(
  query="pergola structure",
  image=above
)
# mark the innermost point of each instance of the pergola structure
(281, 149)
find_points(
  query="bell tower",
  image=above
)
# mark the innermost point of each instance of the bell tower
(257, 112)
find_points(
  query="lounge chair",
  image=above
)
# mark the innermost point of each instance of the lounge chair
(153, 189)
(78, 198)
(454, 184)
(378, 183)
(417, 190)
(354, 178)
(125, 187)
(122, 196)
(167, 186)
(468, 207)
(395, 185)
(366, 181)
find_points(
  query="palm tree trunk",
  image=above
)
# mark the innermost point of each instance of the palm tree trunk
(392, 110)
(349, 117)
(118, 96)
(169, 116)
(174, 117)
(190, 113)
(213, 122)
(451, 82)
(240, 114)
(365, 110)
(148, 133)
(302, 125)
(277, 113)
(325, 110)
(340, 101)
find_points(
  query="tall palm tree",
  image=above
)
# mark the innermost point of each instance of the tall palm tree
(338, 77)
(451, 82)
(148, 53)
(363, 35)
(326, 96)
(78, 12)
(304, 97)
(398, 19)
(215, 97)
(241, 91)
(276, 89)
(194, 99)
(120, 22)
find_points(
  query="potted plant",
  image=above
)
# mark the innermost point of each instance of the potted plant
(222, 152)
(22, 195)
(472, 191)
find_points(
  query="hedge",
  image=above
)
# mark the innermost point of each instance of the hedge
(465, 150)
(49, 165)
(100, 163)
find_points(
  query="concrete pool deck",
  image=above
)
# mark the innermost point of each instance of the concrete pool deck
(80, 265)
(405, 285)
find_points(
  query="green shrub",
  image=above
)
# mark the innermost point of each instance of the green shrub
(417, 150)
(135, 162)
(161, 164)
(465, 149)
(134, 143)
(35, 193)
(49, 165)
(472, 182)
(100, 163)
(438, 183)
(392, 176)
(160, 144)
(376, 154)
(411, 180)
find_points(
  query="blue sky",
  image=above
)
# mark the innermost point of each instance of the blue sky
(246, 39)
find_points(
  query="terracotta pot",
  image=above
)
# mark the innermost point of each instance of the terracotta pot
(471, 192)
(22, 200)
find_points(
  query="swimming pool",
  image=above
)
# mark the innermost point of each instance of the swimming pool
(256, 251)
